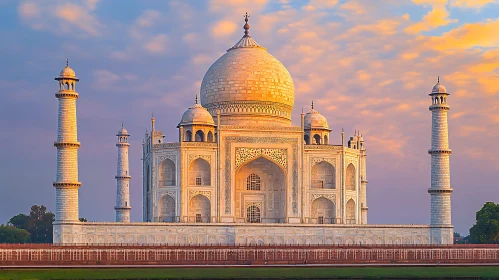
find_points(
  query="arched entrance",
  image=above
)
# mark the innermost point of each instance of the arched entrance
(199, 209)
(323, 211)
(253, 214)
(166, 209)
(261, 183)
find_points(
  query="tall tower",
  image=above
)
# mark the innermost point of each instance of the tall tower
(66, 184)
(122, 178)
(440, 189)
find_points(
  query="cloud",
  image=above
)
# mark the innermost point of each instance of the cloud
(157, 44)
(62, 17)
(223, 28)
(435, 18)
(475, 4)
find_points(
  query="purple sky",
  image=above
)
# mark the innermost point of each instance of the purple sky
(366, 66)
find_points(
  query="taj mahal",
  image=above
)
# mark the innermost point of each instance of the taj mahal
(242, 173)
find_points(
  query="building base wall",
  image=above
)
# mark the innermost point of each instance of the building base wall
(246, 234)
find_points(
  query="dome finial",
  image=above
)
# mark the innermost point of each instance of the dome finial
(67, 62)
(438, 79)
(246, 26)
(196, 98)
(122, 125)
(312, 104)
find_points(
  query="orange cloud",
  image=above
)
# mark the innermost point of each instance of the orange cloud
(223, 28)
(437, 17)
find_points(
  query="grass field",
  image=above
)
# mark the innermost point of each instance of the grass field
(485, 272)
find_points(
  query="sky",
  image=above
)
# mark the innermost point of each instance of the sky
(367, 65)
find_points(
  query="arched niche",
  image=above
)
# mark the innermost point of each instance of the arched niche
(350, 181)
(210, 137)
(167, 173)
(350, 211)
(166, 207)
(199, 173)
(317, 139)
(323, 211)
(323, 176)
(199, 209)
(271, 195)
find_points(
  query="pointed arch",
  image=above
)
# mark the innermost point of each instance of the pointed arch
(270, 198)
(317, 139)
(199, 173)
(323, 176)
(350, 181)
(210, 136)
(199, 137)
(166, 207)
(167, 173)
(323, 211)
(326, 140)
(307, 139)
(188, 136)
(350, 211)
(199, 209)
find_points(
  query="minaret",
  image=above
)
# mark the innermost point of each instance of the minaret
(122, 178)
(66, 184)
(440, 189)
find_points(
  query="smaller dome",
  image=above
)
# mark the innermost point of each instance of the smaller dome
(438, 88)
(197, 114)
(314, 120)
(122, 131)
(67, 72)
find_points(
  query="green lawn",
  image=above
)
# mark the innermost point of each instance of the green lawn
(486, 272)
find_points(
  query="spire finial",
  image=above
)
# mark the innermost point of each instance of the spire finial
(312, 104)
(438, 79)
(246, 25)
(67, 62)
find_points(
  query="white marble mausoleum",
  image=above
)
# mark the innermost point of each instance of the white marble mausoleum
(242, 173)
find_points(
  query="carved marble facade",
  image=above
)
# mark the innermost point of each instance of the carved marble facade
(270, 169)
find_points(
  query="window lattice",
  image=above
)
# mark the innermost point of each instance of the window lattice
(253, 182)
(198, 181)
(253, 214)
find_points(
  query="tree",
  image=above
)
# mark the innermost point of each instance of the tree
(10, 234)
(486, 228)
(38, 224)
(83, 220)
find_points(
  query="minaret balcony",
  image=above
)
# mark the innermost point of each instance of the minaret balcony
(67, 185)
(439, 151)
(430, 191)
(66, 144)
(67, 94)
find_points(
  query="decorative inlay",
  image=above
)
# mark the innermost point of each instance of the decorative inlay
(323, 147)
(166, 145)
(332, 161)
(205, 157)
(279, 156)
(264, 140)
(250, 107)
(172, 194)
(330, 196)
(163, 157)
(257, 204)
(261, 128)
(207, 194)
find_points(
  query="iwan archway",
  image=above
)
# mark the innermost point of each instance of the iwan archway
(260, 194)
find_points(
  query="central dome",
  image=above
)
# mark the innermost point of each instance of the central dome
(247, 84)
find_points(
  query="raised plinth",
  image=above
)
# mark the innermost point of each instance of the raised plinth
(247, 234)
